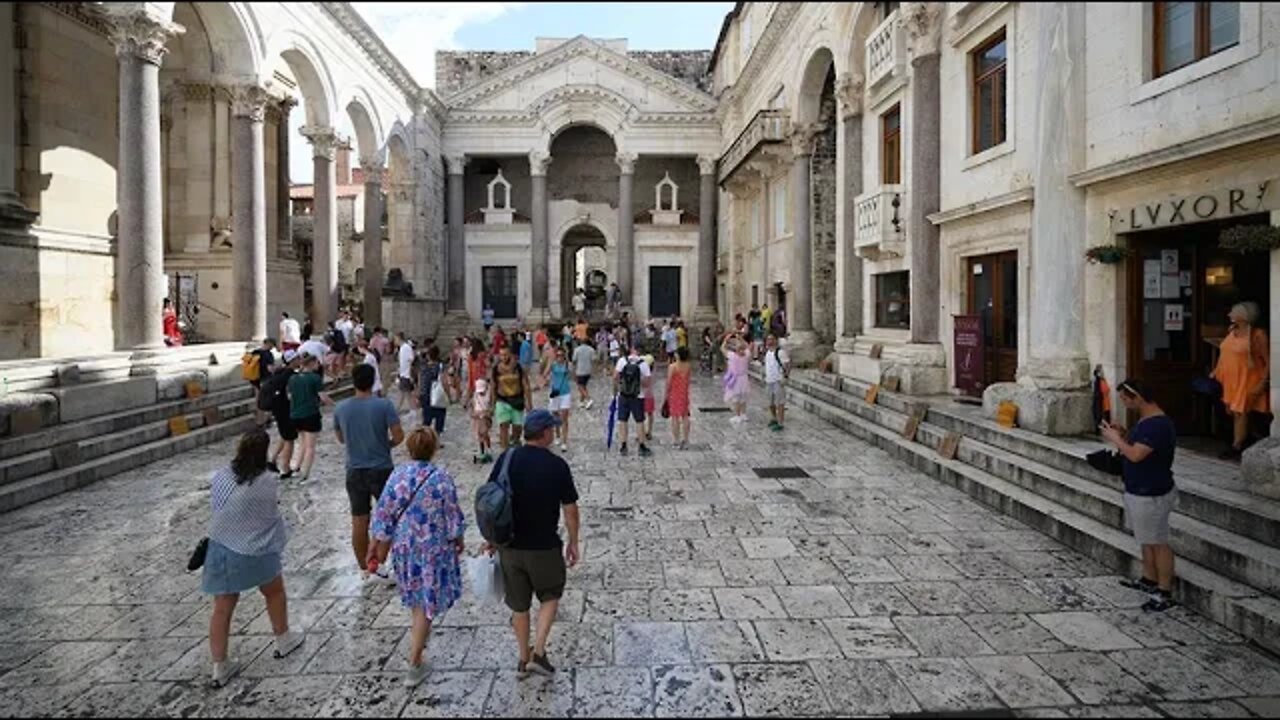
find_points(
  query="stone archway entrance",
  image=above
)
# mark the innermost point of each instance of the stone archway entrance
(583, 264)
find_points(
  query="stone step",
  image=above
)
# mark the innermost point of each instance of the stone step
(1237, 557)
(1242, 608)
(134, 446)
(1242, 513)
(25, 446)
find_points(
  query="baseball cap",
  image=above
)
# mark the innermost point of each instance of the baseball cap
(539, 420)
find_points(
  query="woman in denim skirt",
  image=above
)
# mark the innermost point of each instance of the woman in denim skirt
(246, 538)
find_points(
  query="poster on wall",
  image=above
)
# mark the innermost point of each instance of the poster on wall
(1184, 278)
(1169, 287)
(1173, 318)
(1169, 262)
(968, 353)
(1151, 279)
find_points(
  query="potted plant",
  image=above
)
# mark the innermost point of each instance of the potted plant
(1107, 254)
(1245, 239)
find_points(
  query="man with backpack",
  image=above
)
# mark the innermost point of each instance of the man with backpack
(631, 376)
(273, 397)
(254, 366)
(518, 513)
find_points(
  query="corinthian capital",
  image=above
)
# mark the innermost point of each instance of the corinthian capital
(801, 137)
(706, 165)
(324, 140)
(373, 172)
(849, 89)
(922, 22)
(539, 161)
(249, 101)
(138, 33)
(626, 162)
(456, 162)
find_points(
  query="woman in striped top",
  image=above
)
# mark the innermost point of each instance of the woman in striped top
(246, 538)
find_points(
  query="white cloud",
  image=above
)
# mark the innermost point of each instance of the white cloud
(414, 31)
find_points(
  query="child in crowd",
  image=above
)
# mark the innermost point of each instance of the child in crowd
(482, 419)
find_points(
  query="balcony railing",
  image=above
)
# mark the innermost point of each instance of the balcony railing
(880, 228)
(886, 51)
(768, 126)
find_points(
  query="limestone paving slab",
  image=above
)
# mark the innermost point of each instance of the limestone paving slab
(867, 588)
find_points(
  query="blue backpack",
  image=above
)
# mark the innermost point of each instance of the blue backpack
(493, 506)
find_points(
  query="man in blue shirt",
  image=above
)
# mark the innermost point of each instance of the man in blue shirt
(526, 352)
(486, 316)
(369, 427)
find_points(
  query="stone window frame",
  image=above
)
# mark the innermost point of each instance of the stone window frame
(999, 77)
(1144, 86)
(877, 285)
(1201, 26)
(978, 28)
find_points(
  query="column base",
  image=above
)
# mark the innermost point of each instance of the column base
(805, 347)
(1260, 468)
(1046, 411)
(921, 368)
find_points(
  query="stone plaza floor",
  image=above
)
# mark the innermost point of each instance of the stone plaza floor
(860, 587)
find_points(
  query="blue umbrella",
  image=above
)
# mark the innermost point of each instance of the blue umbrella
(610, 421)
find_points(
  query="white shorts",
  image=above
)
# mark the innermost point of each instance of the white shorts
(1148, 517)
(561, 402)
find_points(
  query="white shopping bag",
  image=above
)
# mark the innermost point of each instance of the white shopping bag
(486, 578)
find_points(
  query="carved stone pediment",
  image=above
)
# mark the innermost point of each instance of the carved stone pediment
(581, 67)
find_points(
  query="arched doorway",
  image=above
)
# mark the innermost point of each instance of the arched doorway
(583, 265)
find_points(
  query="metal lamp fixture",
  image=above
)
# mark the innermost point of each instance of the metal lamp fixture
(897, 202)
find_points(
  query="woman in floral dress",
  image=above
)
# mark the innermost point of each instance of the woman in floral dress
(418, 521)
(736, 381)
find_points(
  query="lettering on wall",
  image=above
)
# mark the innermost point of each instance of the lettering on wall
(1216, 205)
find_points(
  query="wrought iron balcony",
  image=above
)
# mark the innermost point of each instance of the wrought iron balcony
(880, 226)
(886, 51)
(768, 126)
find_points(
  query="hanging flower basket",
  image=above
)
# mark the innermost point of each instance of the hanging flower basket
(1245, 239)
(1107, 254)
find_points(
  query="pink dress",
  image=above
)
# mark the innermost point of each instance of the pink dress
(678, 393)
(736, 380)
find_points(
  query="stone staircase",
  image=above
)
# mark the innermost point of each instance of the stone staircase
(68, 422)
(1227, 541)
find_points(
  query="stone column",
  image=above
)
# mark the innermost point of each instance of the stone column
(284, 210)
(849, 91)
(324, 253)
(249, 214)
(15, 218)
(457, 250)
(139, 37)
(924, 189)
(705, 312)
(1053, 390)
(373, 271)
(802, 341)
(626, 230)
(541, 247)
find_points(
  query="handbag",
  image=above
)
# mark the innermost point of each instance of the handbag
(666, 409)
(1106, 461)
(197, 556)
(438, 397)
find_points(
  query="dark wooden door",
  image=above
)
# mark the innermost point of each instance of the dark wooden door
(664, 290)
(1164, 352)
(993, 295)
(498, 288)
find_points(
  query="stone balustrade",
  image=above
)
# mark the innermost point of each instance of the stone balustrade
(886, 51)
(875, 234)
(770, 125)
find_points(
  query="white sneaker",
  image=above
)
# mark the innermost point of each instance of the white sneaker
(223, 672)
(287, 643)
(589, 405)
(415, 675)
(561, 445)
(383, 576)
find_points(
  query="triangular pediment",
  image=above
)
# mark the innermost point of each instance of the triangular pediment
(577, 65)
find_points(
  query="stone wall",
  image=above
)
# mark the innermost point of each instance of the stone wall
(823, 216)
(457, 69)
(583, 168)
(689, 66)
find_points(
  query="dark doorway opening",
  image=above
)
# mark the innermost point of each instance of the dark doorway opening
(499, 287)
(664, 290)
(993, 296)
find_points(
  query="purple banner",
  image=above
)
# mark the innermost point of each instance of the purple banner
(968, 354)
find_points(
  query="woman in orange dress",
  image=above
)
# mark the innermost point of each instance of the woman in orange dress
(1244, 362)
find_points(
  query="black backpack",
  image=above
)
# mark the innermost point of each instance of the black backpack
(494, 515)
(274, 390)
(629, 387)
(337, 341)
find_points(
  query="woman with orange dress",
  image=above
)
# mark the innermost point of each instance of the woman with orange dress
(1244, 363)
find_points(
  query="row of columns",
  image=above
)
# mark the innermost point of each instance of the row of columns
(140, 38)
(540, 246)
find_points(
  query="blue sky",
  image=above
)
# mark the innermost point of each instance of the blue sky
(414, 31)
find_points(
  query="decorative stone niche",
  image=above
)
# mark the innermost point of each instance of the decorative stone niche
(499, 211)
(666, 208)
